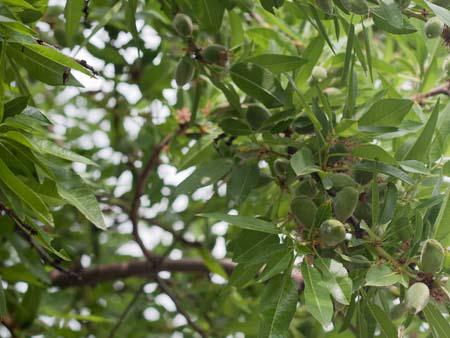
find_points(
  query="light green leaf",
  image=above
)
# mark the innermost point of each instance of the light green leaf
(442, 223)
(336, 278)
(303, 162)
(374, 153)
(278, 263)
(387, 327)
(317, 296)
(56, 56)
(386, 112)
(243, 179)
(382, 275)
(73, 12)
(210, 14)
(205, 174)
(25, 193)
(278, 63)
(47, 147)
(244, 222)
(420, 149)
(277, 307)
(440, 326)
(40, 67)
(385, 169)
(258, 83)
(72, 188)
(441, 12)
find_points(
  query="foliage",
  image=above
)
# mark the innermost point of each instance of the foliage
(146, 144)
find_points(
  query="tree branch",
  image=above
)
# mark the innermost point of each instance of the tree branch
(141, 184)
(135, 268)
(444, 90)
(141, 268)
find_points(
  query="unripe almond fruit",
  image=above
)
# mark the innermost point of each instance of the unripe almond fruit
(183, 25)
(326, 6)
(307, 187)
(256, 115)
(345, 203)
(304, 210)
(215, 54)
(319, 73)
(332, 232)
(184, 71)
(356, 6)
(281, 166)
(341, 181)
(432, 256)
(417, 297)
(434, 28)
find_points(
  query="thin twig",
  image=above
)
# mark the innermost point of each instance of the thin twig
(141, 184)
(168, 291)
(125, 312)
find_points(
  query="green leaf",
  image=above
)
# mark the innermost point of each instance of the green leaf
(277, 263)
(56, 56)
(317, 296)
(303, 162)
(374, 153)
(441, 12)
(382, 275)
(75, 192)
(205, 174)
(244, 222)
(234, 126)
(439, 325)
(29, 258)
(278, 63)
(258, 83)
(243, 180)
(336, 278)
(269, 5)
(212, 264)
(2, 78)
(442, 223)
(130, 17)
(386, 112)
(40, 67)
(209, 14)
(385, 169)
(73, 12)
(277, 306)
(25, 193)
(414, 167)
(421, 147)
(387, 327)
(46, 147)
(3, 308)
(261, 250)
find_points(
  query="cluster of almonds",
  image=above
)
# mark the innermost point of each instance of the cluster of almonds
(214, 54)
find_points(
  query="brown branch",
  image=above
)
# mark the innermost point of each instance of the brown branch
(141, 268)
(140, 186)
(444, 90)
(135, 268)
